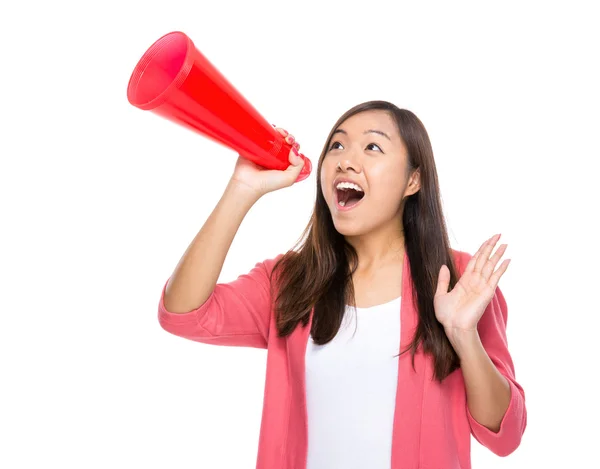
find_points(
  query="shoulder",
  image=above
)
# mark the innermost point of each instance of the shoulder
(269, 263)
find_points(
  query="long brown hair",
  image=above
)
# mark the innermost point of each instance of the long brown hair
(319, 273)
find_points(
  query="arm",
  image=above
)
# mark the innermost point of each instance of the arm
(198, 270)
(495, 400)
(235, 314)
(193, 306)
(488, 391)
(495, 407)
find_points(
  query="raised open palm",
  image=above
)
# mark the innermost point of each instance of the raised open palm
(462, 308)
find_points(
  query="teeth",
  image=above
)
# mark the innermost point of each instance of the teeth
(342, 203)
(349, 185)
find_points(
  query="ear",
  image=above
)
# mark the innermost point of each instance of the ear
(414, 183)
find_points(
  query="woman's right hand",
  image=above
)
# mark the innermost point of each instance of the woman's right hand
(261, 181)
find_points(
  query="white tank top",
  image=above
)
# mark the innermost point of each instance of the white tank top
(351, 390)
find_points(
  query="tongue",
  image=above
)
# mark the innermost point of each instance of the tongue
(351, 202)
(351, 197)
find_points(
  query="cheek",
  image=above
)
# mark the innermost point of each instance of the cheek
(387, 187)
(326, 180)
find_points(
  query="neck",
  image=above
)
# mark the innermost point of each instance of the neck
(379, 248)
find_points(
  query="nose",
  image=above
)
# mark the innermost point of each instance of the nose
(346, 164)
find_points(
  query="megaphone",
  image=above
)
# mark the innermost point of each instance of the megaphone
(176, 81)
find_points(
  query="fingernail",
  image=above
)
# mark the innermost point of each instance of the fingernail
(295, 151)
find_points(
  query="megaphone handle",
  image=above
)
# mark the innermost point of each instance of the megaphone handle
(282, 148)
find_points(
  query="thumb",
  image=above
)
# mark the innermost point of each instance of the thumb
(443, 281)
(297, 162)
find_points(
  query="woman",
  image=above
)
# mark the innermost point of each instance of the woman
(375, 255)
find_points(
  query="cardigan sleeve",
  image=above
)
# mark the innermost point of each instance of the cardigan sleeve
(492, 331)
(236, 313)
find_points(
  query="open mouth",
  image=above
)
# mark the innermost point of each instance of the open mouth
(348, 197)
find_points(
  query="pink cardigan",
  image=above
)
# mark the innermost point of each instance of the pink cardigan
(432, 423)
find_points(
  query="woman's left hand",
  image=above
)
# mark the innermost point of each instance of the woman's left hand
(461, 309)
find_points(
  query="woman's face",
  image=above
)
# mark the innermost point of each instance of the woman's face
(370, 153)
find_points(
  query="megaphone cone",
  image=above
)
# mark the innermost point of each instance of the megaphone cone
(176, 81)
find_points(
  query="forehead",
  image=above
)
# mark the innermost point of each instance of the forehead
(374, 119)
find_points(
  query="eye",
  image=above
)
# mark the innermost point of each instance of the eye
(332, 147)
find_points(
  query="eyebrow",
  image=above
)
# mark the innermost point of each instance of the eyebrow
(341, 131)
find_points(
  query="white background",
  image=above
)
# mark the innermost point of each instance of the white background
(100, 200)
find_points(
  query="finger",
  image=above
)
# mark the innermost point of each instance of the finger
(296, 168)
(489, 266)
(443, 281)
(292, 172)
(486, 249)
(295, 157)
(282, 131)
(471, 264)
(495, 278)
(290, 139)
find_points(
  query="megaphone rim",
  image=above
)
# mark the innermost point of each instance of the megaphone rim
(145, 59)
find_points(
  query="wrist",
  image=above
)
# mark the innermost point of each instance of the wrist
(463, 340)
(243, 192)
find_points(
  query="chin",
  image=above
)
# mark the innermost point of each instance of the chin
(349, 227)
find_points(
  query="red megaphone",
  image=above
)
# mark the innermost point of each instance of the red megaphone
(174, 80)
